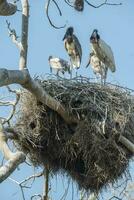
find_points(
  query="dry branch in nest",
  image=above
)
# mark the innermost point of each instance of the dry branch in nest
(89, 151)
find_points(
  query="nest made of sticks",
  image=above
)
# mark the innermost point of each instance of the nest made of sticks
(90, 151)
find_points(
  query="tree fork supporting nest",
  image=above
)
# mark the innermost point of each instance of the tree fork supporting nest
(23, 78)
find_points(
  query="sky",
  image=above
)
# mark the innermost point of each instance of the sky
(116, 27)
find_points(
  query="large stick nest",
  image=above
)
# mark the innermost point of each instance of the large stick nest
(90, 151)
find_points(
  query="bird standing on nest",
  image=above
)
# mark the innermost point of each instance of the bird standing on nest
(73, 48)
(98, 67)
(102, 51)
(79, 5)
(59, 65)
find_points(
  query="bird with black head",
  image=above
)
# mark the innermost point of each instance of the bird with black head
(73, 48)
(101, 56)
(102, 50)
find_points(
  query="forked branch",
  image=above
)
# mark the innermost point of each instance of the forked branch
(23, 78)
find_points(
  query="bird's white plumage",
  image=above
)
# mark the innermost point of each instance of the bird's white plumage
(74, 51)
(104, 53)
(99, 68)
(59, 64)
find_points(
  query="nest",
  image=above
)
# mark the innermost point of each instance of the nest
(89, 151)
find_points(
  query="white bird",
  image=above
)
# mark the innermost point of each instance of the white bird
(103, 51)
(73, 48)
(59, 65)
(98, 67)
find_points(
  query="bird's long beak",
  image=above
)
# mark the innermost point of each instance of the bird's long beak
(96, 40)
(64, 36)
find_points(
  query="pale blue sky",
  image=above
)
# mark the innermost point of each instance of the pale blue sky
(116, 27)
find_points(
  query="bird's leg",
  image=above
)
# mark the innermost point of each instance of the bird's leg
(97, 78)
(57, 74)
(102, 80)
(70, 72)
(76, 73)
(71, 69)
(63, 72)
(105, 75)
(51, 71)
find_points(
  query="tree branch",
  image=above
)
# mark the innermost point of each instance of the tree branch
(47, 13)
(23, 183)
(23, 78)
(13, 35)
(129, 145)
(13, 104)
(6, 8)
(102, 4)
(24, 35)
(46, 174)
(14, 159)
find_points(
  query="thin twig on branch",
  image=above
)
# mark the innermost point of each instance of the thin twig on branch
(46, 176)
(68, 2)
(47, 13)
(23, 183)
(102, 4)
(11, 103)
(13, 35)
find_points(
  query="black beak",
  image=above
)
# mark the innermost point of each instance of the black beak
(64, 36)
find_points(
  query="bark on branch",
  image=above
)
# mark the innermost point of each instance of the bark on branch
(129, 145)
(6, 8)
(24, 35)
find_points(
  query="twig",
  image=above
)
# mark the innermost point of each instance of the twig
(114, 197)
(129, 145)
(47, 13)
(46, 182)
(102, 4)
(60, 13)
(13, 104)
(20, 184)
(68, 2)
(36, 195)
(13, 35)
(66, 191)
(14, 159)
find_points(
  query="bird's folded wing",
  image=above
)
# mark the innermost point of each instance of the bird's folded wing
(109, 54)
(78, 47)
